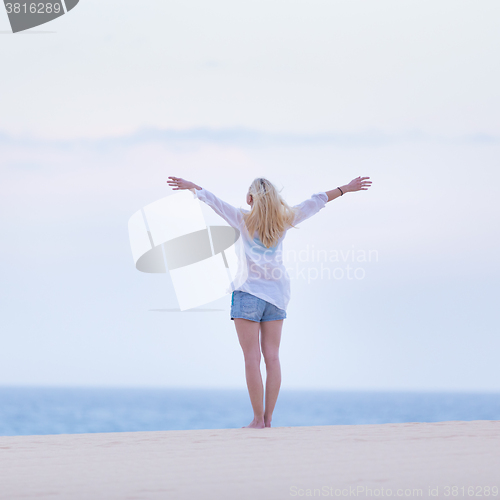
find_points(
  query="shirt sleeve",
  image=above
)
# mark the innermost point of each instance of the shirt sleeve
(310, 207)
(232, 215)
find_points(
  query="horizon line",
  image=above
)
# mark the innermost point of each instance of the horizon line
(244, 389)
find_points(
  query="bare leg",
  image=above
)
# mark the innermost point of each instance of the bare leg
(271, 337)
(248, 335)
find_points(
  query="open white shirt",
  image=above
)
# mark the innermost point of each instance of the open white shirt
(267, 278)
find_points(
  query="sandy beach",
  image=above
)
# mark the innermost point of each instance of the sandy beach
(424, 460)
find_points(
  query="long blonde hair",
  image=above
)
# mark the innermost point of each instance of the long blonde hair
(270, 215)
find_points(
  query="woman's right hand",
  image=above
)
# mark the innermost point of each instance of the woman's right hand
(181, 184)
(359, 184)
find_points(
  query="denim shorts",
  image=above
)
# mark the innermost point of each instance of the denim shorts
(247, 306)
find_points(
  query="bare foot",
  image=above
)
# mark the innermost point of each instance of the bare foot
(267, 424)
(255, 424)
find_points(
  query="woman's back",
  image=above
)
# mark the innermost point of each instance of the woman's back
(264, 270)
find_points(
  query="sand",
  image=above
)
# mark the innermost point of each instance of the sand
(422, 460)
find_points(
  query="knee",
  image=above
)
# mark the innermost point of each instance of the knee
(252, 360)
(271, 358)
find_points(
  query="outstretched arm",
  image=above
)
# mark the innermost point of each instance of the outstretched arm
(358, 184)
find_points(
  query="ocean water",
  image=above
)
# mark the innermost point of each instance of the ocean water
(29, 411)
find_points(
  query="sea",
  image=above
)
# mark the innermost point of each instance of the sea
(63, 410)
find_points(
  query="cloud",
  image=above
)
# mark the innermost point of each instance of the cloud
(243, 137)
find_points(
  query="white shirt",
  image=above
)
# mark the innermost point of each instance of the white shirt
(267, 278)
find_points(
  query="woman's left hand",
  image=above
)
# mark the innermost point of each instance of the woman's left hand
(359, 184)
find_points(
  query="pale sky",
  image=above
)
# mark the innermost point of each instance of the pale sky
(303, 66)
(100, 106)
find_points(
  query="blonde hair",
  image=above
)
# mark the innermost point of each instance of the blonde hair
(270, 215)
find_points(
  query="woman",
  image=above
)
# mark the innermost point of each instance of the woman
(259, 304)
